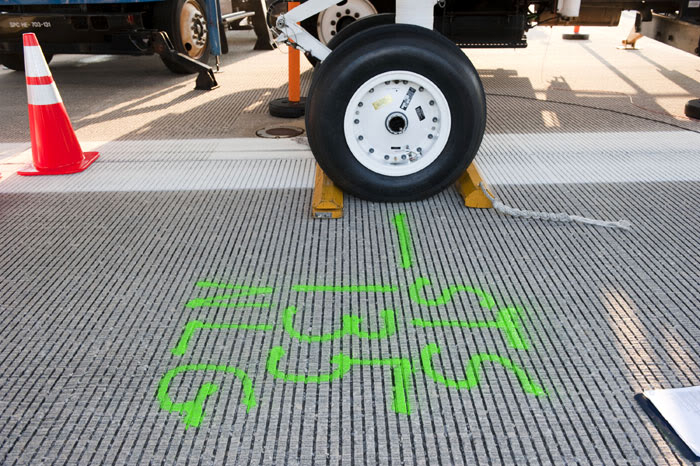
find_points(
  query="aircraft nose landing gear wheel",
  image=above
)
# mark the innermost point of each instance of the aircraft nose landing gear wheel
(395, 113)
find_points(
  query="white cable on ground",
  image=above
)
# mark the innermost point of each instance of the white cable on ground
(552, 217)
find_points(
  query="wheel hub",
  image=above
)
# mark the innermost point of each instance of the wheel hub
(332, 20)
(397, 123)
(193, 29)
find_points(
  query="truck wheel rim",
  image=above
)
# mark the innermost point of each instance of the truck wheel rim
(335, 18)
(193, 29)
(397, 123)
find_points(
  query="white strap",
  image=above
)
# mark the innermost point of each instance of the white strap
(550, 216)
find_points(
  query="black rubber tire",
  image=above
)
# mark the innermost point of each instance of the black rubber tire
(692, 109)
(362, 24)
(311, 24)
(167, 18)
(368, 54)
(357, 27)
(15, 61)
(283, 108)
(575, 36)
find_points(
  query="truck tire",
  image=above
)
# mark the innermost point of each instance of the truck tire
(395, 113)
(15, 61)
(185, 21)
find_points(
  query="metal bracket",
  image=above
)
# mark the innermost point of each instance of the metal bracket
(162, 46)
(418, 12)
(297, 37)
(292, 34)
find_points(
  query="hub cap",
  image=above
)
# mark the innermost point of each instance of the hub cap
(193, 29)
(335, 18)
(397, 123)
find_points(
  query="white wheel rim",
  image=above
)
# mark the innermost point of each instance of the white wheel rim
(332, 19)
(397, 123)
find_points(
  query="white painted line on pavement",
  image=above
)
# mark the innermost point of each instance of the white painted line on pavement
(252, 163)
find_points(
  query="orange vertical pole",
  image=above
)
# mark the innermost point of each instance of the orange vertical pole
(577, 29)
(294, 67)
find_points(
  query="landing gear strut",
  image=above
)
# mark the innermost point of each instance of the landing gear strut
(395, 112)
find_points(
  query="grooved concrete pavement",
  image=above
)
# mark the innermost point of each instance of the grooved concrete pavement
(160, 307)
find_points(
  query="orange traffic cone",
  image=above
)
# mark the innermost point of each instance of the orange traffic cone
(55, 148)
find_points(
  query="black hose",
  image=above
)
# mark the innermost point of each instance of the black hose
(596, 108)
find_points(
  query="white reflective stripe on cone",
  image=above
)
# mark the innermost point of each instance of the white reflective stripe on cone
(35, 65)
(43, 94)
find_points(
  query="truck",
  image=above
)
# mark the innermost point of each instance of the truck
(396, 111)
(185, 33)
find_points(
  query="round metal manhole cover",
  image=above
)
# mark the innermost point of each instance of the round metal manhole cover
(279, 132)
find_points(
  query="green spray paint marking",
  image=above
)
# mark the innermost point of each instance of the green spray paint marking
(340, 360)
(351, 326)
(402, 385)
(221, 301)
(403, 369)
(401, 374)
(507, 320)
(473, 371)
(194, 325)
(212, 302)
(404, 240)
(226, 286)
(414, 290)
(346, 289)
(193, 411)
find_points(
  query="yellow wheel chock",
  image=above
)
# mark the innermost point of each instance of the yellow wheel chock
(327, 200)
(468, 186)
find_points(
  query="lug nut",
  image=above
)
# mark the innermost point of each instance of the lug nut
(403, 157)
(435, 120)
(432, 102)
(386, 157)
(360, 104)
(430, 136)
(361, 138)
(357, 122)
(371, 151)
